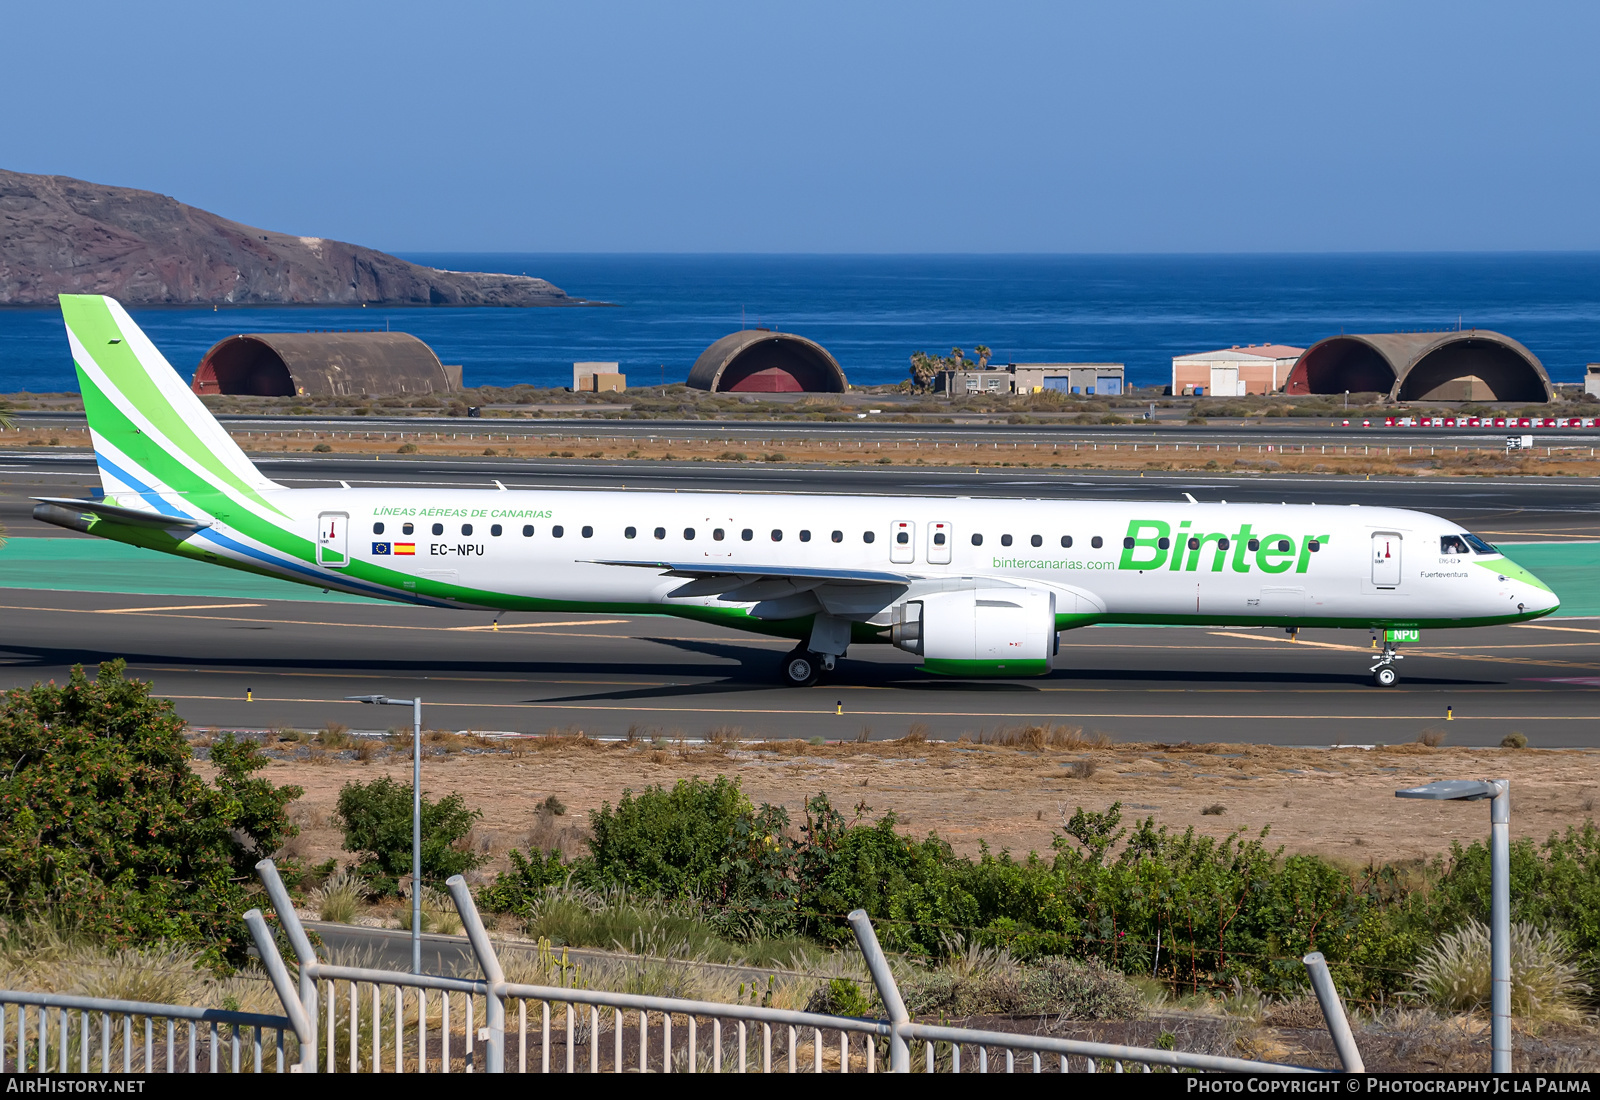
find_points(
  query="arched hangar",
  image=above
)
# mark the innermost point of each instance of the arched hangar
(758, 360)
(1459, 365)
(292, 364)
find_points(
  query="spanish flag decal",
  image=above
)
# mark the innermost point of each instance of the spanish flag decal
(405, 548)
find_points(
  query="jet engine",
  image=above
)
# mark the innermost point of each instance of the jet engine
(979, 632)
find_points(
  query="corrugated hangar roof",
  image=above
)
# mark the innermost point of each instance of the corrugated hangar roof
(758, 360)
(292, 364)
(1411, 366)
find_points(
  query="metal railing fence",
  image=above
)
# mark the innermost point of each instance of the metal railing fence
(354, 1019)
(561, 1029)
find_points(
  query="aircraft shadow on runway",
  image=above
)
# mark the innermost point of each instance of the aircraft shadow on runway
(756, 671)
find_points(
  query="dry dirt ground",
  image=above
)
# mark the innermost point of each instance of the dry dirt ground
(1338, 803)
(1367, 457)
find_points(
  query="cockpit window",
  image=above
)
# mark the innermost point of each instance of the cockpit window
(1479, 545)
(1453, 544)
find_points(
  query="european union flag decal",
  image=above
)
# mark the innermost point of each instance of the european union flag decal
(380, 548)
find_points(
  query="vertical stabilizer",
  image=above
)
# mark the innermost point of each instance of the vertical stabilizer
(153, 438)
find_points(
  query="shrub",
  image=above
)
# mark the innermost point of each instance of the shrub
(1514, 741)
(439, 913)
(104, 824)
(340, 898)
(1454, 974)
(406, 449)
(376, 818)
(322, 448)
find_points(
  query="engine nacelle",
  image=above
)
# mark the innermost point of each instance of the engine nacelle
(982, 632)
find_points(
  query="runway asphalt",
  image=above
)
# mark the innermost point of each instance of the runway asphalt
(1509, 508)
(966, 428)
(607, 674)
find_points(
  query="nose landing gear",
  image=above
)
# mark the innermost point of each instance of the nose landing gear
(1384, 674)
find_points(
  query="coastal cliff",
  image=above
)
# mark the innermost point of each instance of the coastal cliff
(60, 235)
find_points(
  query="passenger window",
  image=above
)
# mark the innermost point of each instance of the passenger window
(1448, 544)
(527, 530)
(1253, 545)
(777, 536)
(938, 538)
(377, 528)
(1036, 541)
(719, 534)
(557, 531)
(1284, 546)
(496, 530)
(838, 536)
(588, 532)
(1223, 544)
(1127, 543)
(661, 532)
(1066, 542)
(688, 534)
(746, 535)
(977, 539)
(1097, 542)
(438, 528)
(805, 536)
(466, 528)
(630, 532)
(868, 536)
(1194, 544)
(1313, 546)
(408, 528)
(1005, 540)
(1163, 544)
(902, 538)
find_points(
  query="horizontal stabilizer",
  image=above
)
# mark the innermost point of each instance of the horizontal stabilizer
(56, 509)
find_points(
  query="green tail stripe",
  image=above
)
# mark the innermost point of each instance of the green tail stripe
(91, 321)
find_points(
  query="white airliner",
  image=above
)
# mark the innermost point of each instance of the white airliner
(975, 587)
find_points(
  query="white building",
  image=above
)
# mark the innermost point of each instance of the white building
(1235, 371)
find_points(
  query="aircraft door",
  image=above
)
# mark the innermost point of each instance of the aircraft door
(1385, 559)
(902, 542)
(939, 536)
(333, 539)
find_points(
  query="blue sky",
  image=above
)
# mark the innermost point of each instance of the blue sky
(1134, 126)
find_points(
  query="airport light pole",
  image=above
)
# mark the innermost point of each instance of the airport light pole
(416, 815)
(1498, 791)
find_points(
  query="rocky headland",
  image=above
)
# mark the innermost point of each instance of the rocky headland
(60, 235)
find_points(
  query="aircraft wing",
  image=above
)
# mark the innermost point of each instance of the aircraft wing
(783, 591)
(742, 573)
(52, 507)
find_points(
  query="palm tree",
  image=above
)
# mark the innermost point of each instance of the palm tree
(982, 352)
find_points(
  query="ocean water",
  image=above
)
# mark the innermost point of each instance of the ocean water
(872, 312)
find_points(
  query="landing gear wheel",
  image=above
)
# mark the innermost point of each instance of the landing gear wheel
(801, 668)
(1385, 676)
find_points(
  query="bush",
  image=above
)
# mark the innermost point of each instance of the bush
(376, 818)
(1224, 910)
(340, 898)
(1454, 974)
(322, 448)
(406, 449)
(105, 826)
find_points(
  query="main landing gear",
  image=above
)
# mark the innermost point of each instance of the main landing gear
(1384, 674)
(802, 668)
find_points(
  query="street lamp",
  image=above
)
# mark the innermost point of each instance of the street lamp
(1498, 791)
(416, 815)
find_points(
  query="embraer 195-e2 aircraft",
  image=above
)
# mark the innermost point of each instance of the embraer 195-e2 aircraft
(974, 587)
